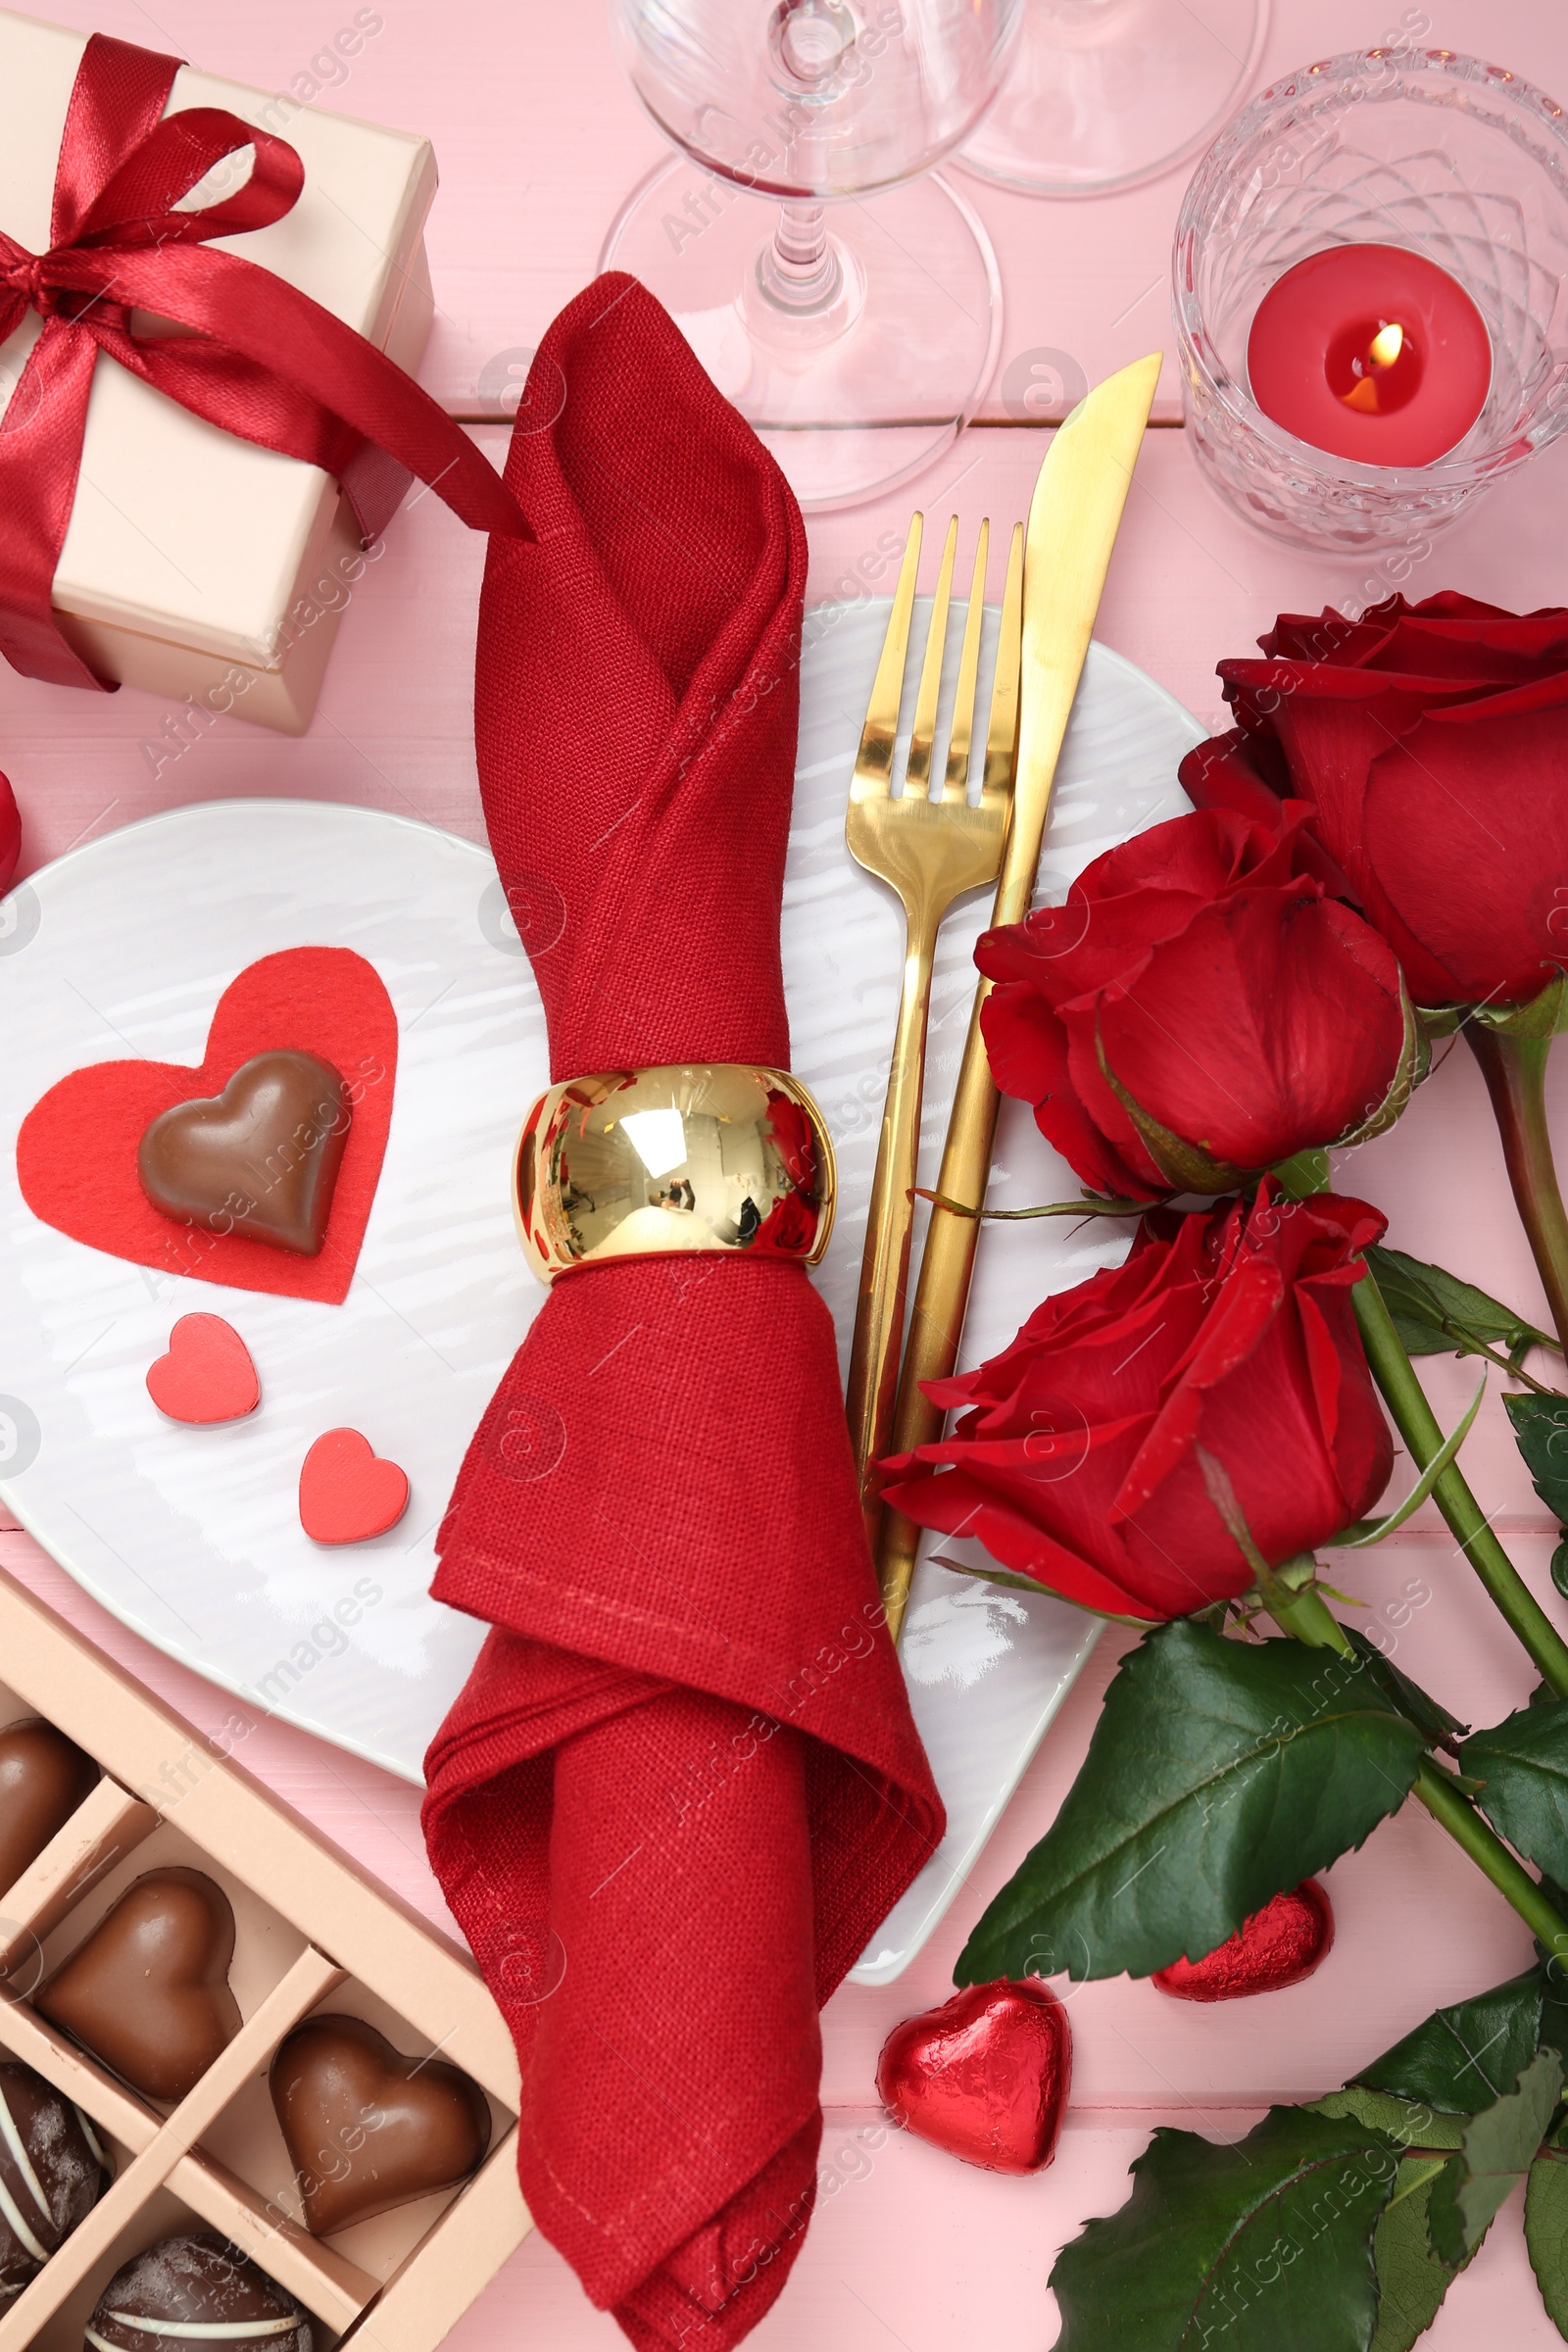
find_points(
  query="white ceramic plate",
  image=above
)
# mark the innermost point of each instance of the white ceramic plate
(192, 1536)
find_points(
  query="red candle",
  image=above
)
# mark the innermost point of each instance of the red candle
(1371, 353)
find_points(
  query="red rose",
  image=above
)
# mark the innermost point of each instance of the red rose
(787, 1231)
(1432, 741)
(1198, 1011)
(1232, 1331)
(10, 834)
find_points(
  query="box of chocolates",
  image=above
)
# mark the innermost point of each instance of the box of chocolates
(246, 2097)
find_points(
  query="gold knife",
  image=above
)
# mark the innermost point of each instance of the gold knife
(1073, 520)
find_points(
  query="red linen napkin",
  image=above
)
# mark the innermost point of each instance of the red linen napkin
(682, 1785)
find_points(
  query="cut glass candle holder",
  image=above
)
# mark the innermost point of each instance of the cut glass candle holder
(1454, 158)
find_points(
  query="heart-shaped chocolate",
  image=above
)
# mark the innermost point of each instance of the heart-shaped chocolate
(259, 1159)
(1277, 1946)
(368, 2128)
(44, 1778)
(985, 2077)
(148, 1992)
(76, 1148)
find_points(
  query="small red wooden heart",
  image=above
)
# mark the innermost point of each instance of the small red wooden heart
(76, 1149)
(207, 1375)
(347, 1493)
(985, 2077)
(1277, 1946)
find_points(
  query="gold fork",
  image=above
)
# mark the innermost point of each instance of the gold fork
(930, 851)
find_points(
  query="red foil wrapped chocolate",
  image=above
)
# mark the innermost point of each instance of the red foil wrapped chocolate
(985, 2077)
(1279, 1945)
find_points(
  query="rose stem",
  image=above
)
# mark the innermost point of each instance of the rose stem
(1515, 1071)
(1417, 1425)
(1308, 1617)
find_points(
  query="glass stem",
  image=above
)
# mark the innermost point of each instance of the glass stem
(798, 271)
(1515, 1071)
(1417, 1425)
(1308, 1617)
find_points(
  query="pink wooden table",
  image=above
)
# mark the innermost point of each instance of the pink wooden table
(538, 140)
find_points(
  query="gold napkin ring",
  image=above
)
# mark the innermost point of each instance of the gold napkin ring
(717, 1155)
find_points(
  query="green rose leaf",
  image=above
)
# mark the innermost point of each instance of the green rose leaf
(1411, 2281)
(1559, 1567)
(1547, 2234)
(1557, 1896)
(1540, 1432)
(1220, 1773)
(1459, 2059)
(1498, 2148)
(1437, 1314)
(1265, 2247)
(1523, 1762)
(1554, 2017)
(1409, 2122)
(1555, 1979)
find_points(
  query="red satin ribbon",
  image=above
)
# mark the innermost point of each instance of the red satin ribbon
(272, 365)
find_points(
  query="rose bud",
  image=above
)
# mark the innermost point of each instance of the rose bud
(1232, 1333)
(1432, 742)
(1198, 1010)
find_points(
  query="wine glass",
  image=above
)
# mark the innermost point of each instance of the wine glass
(1105, 93)
(856, 319)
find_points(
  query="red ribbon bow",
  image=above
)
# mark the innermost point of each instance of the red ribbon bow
(266, 361)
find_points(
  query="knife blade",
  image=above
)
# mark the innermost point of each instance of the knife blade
(1074, 517)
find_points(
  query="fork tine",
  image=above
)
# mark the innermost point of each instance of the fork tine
(874, 761)
(917, 778)
(960, 734)
(1002, 734)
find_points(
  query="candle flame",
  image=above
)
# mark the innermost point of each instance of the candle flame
(1374, 364)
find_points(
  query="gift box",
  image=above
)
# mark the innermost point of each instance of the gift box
(198, 565)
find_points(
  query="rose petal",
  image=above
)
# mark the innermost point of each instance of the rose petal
(957, 1506)
(1467, 823)
(1273, 1025)
(1027, 1048)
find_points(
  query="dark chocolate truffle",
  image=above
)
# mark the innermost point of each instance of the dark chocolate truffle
(368, 2128)
(260, 1159)
(52, 2172)
(148, 1992)
(204, 2292)
(44, 1778)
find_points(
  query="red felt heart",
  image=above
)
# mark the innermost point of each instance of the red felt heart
(76, 1151)
(207, 1375)
(1278, 1945)
(347, 1493)
(985, 2077)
